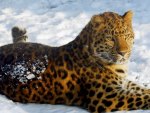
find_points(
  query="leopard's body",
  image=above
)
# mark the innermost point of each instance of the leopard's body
(84, 72)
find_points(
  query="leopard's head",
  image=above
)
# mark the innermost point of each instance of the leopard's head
(111, 37)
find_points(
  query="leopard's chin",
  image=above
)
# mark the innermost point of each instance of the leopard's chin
(120, 61)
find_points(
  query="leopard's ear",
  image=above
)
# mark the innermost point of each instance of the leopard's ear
(97, 19)
(128, 17)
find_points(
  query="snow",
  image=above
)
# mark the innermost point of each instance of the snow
(22, 71)
(57, 22)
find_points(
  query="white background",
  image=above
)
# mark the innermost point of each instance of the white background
(57, 22)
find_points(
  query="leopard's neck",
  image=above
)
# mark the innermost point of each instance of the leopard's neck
(119, 69)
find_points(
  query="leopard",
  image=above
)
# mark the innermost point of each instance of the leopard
(19, 34)
(79, 73)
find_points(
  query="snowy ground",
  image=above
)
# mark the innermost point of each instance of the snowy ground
(56, 22)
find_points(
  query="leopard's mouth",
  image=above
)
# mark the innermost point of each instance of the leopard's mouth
(109, 58)
(105, 57)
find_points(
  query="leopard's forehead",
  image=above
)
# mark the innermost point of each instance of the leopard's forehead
(111, 16)
(110, 23)
(110, 19)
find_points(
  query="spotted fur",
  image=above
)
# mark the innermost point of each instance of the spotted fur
(80, 73)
